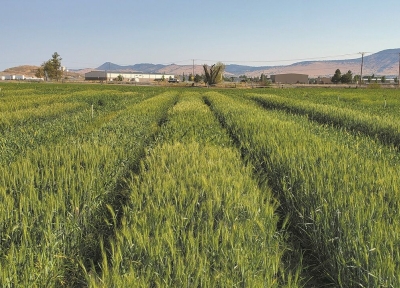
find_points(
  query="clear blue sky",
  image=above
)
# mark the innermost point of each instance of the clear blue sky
(88, 33)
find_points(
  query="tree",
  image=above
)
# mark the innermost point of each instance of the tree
(213, 75)
(356, 78)
(383, 79)
(40, 71)
(198, 78)
(346, 78)
(337, 77)
(119, 78)
(51, 68)
(243, 78)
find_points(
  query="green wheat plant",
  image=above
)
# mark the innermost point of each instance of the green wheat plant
(343, 203)
(196, 217)
(56, 197)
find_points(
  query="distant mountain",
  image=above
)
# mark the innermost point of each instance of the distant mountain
(385, 62)
(144, 67)
(242, 69)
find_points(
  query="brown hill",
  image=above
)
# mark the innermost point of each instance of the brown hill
(180, 69)
(29, 71)
(26, 70)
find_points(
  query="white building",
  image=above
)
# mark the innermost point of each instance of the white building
(20, 77)
(127, 76)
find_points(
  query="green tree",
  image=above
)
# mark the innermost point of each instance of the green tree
(119, 78)
(40, 71)
(336, 77)
(243, 78)
(198, 78)
(213, 75)
(51, 68)
(346, 78)
(356, 78)
(383, 79)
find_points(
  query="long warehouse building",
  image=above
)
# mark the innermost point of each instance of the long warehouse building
(127, 76)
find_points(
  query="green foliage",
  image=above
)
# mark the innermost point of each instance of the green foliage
(382, 127)
(176, 188)
(40, 71)
(342, 205)
(374, 86)
(214, 74)
(346, 78)
(59, 192)
(263, 78)
(198, 78)
(197, 218)
(342, 78)
(336, 77)
(51, 68)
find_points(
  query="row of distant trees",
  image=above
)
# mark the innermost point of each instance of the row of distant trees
(242, 78)
(346, 78)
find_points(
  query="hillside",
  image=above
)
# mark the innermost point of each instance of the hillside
(26, 70)
(29, 71)
(385, 62)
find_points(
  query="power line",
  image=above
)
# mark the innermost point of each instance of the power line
(280, 60)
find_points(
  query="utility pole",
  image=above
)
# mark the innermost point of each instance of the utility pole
(398, 78)
(193, 70)
(362, 62)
